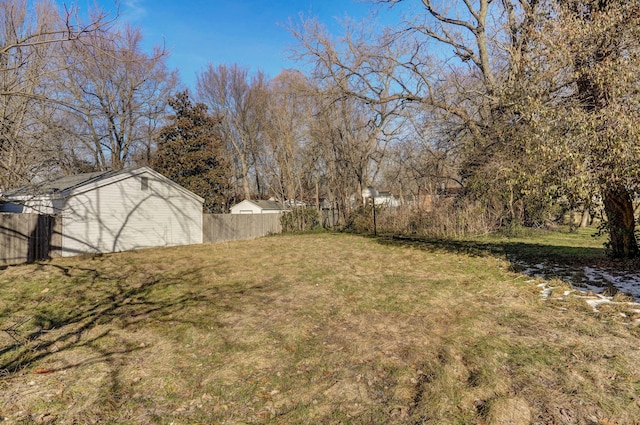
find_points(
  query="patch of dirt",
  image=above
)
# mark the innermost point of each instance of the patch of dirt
(509, 411)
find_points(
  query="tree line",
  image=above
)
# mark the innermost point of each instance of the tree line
(528, 108)
(533, 102)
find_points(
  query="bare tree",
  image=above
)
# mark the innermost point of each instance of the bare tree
(32, 36)
(398, 65)
(240, 101)
(118, 94)
(423, 162)
(458, 61)
(288, 117)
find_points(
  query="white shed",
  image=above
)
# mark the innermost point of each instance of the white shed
(115, 210)
(249, 206)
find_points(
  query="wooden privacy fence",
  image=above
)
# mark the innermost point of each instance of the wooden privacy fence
(29, 237)
(233, 227)
(33, 237)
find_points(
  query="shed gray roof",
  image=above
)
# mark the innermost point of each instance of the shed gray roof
(268, 205)
(62, 184)
(70, 185)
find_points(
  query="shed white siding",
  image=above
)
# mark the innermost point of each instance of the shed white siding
(246, 207)
(126, 212)
(257, 207)
(30, 205)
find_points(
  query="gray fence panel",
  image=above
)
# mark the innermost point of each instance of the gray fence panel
(233, 227)
(29, 237)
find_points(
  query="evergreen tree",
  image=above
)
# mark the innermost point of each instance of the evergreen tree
(191, 152)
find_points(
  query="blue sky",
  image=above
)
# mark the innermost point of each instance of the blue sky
(250, 33)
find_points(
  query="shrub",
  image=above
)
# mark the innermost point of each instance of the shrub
(300, 219)
(445, 219)
(360, 220)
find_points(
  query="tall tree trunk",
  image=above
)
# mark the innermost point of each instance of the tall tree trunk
(586, 218)
(620, 222)
(246, 187)
(595, 96)
(586, 215)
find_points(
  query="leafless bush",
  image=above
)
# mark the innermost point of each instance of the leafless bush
(445, 219)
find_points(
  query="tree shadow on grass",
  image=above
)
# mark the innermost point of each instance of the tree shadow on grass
(586, 268)
(522, 255)
(86, 312)
(38, 325)
(520, 251)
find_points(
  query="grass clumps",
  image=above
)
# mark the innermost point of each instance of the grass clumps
(317, 328)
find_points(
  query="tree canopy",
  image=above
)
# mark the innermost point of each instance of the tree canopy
(538, 98)
(525, 109)
(190, 152)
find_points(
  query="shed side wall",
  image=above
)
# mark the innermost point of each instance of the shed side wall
(122, 216)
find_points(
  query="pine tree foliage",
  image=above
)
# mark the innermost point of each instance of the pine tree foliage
(191, 152)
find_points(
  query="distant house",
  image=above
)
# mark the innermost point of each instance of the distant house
(326, 204)
(450, 189)
(292, 203)
(387, 199)
(249, 206)
(380, 198)
(369, 193)
(114, 210)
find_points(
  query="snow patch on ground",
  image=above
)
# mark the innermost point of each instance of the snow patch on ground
(627, 283)
(596, 286)
(592, 299)
(587, 279)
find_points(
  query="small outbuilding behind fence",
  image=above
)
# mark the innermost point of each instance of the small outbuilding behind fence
(114, 210)
(252, 206)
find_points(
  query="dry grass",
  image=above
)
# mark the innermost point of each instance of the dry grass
(321, 329)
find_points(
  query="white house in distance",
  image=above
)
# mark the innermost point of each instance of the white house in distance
(249, 206)
(381, 198)
(387, 199)
(115, 210)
